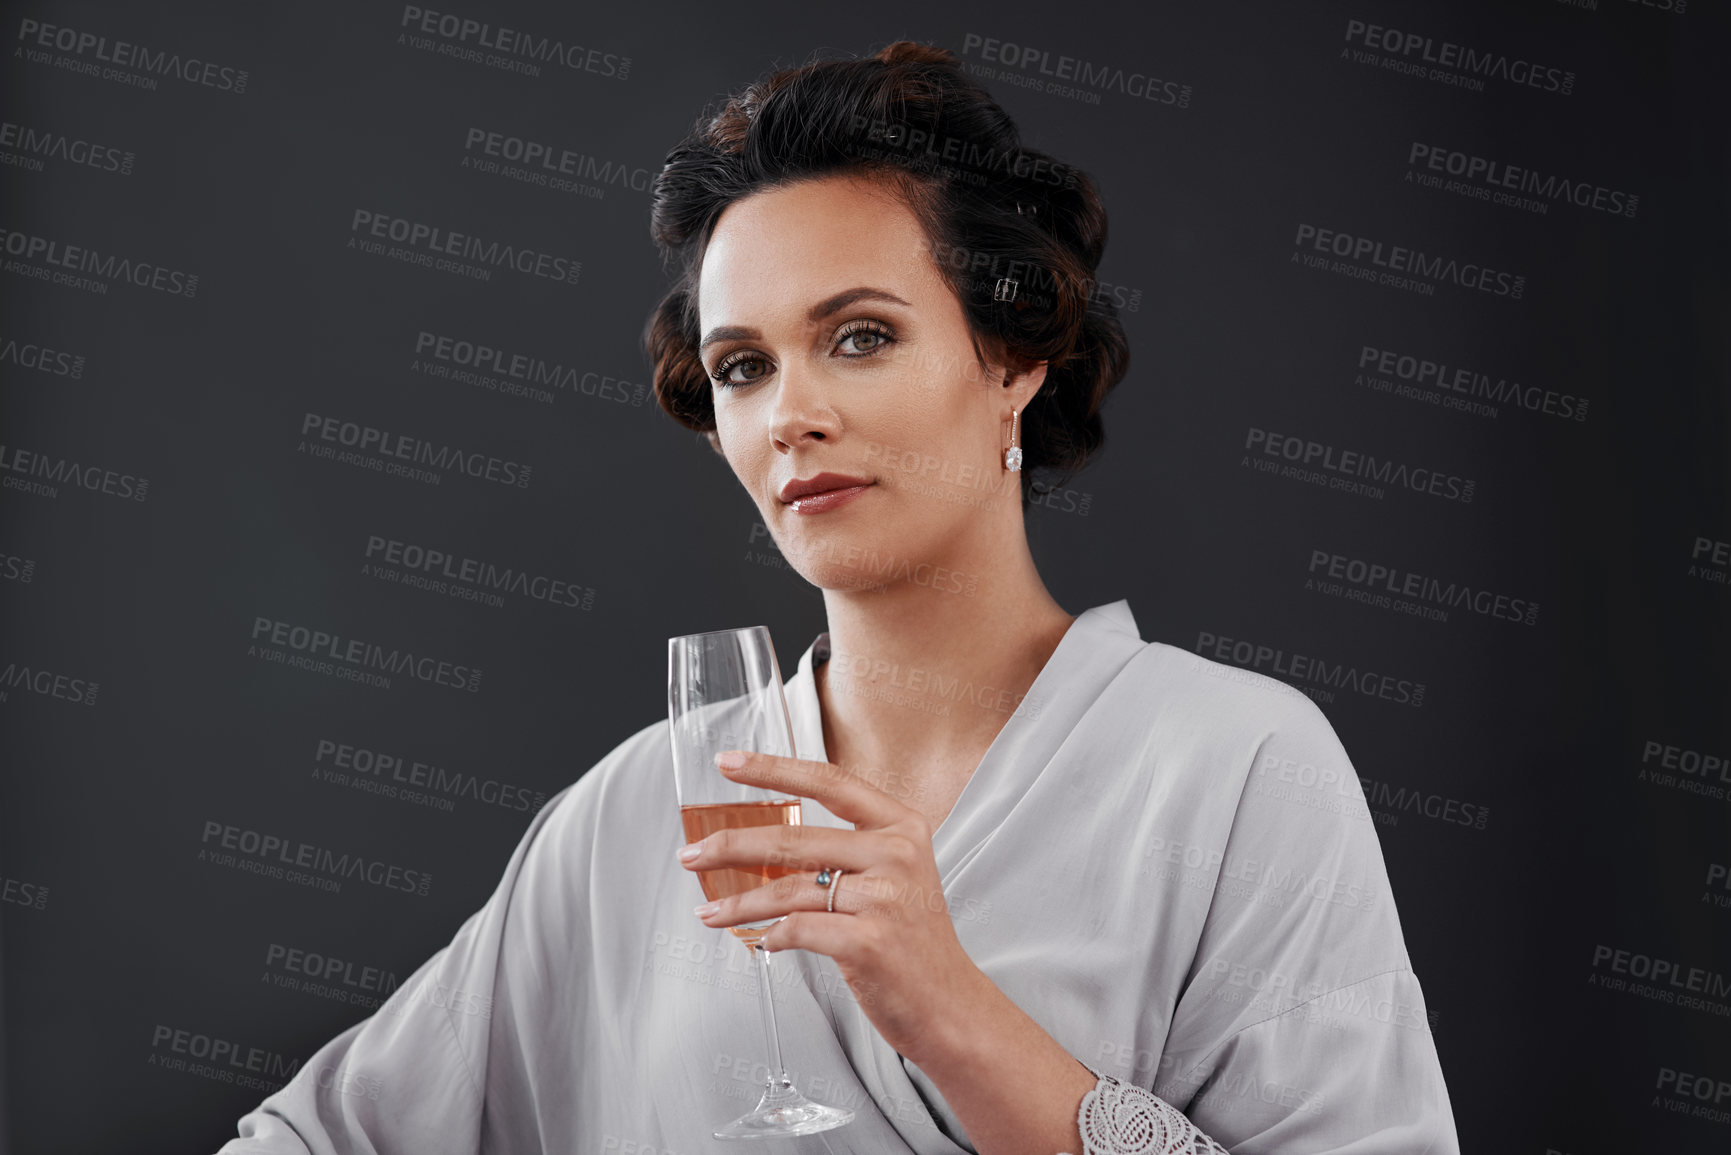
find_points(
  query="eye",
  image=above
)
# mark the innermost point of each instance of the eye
(876, 335)
(869, 339)
(723, 372)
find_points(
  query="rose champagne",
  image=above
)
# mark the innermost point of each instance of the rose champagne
(703, 820)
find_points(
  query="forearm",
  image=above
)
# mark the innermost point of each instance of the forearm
(1012, 1087)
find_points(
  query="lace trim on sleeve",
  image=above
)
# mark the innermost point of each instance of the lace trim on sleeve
(1123, 1119)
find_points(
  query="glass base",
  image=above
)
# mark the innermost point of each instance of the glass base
(784, 1112)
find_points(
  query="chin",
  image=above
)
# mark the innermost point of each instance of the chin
(862, 558)
(841, 585)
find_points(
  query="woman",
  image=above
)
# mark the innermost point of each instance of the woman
(1095, 894)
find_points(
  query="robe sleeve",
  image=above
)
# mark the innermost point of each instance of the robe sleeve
(436, 1068)
(1302, 1029)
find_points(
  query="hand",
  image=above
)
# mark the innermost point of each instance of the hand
(890, 936)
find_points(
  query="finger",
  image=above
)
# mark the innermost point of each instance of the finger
(791, 848)
(844, 938)
(843, 792)
(790, 893)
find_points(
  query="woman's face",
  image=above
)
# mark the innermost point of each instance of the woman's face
(834, 346)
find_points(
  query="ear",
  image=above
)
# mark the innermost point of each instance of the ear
(1021, 384)
(1022, 379)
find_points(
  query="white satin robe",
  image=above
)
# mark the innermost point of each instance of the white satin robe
(1165, 861)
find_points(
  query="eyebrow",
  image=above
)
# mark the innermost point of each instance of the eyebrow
(824, 308)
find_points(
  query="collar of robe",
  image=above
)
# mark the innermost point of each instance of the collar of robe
(1090, 655)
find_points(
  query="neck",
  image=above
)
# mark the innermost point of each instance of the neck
(921, 677)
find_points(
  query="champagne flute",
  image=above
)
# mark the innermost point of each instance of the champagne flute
(724, 693)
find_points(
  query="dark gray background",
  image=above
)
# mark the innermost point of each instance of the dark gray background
(1542, 727)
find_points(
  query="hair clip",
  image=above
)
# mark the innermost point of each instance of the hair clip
(1005, 290)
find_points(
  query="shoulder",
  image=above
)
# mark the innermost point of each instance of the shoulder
(647, 745)
(1298, 792)
(1265, 764)
(615, 809)
(1297, 901)
(1302, 889)
(632, 779)
(1228, 694)
(1241, 770)
(1230, 724)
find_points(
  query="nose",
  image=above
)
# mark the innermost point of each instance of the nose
(802, 411)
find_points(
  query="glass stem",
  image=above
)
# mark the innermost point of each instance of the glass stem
(777, 1072)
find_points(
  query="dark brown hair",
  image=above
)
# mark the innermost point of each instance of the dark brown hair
(991, 209)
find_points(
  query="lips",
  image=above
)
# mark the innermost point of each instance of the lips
(822, 483)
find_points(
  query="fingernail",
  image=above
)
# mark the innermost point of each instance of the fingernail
(730, 759)
(706, 909)
(687, 853)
